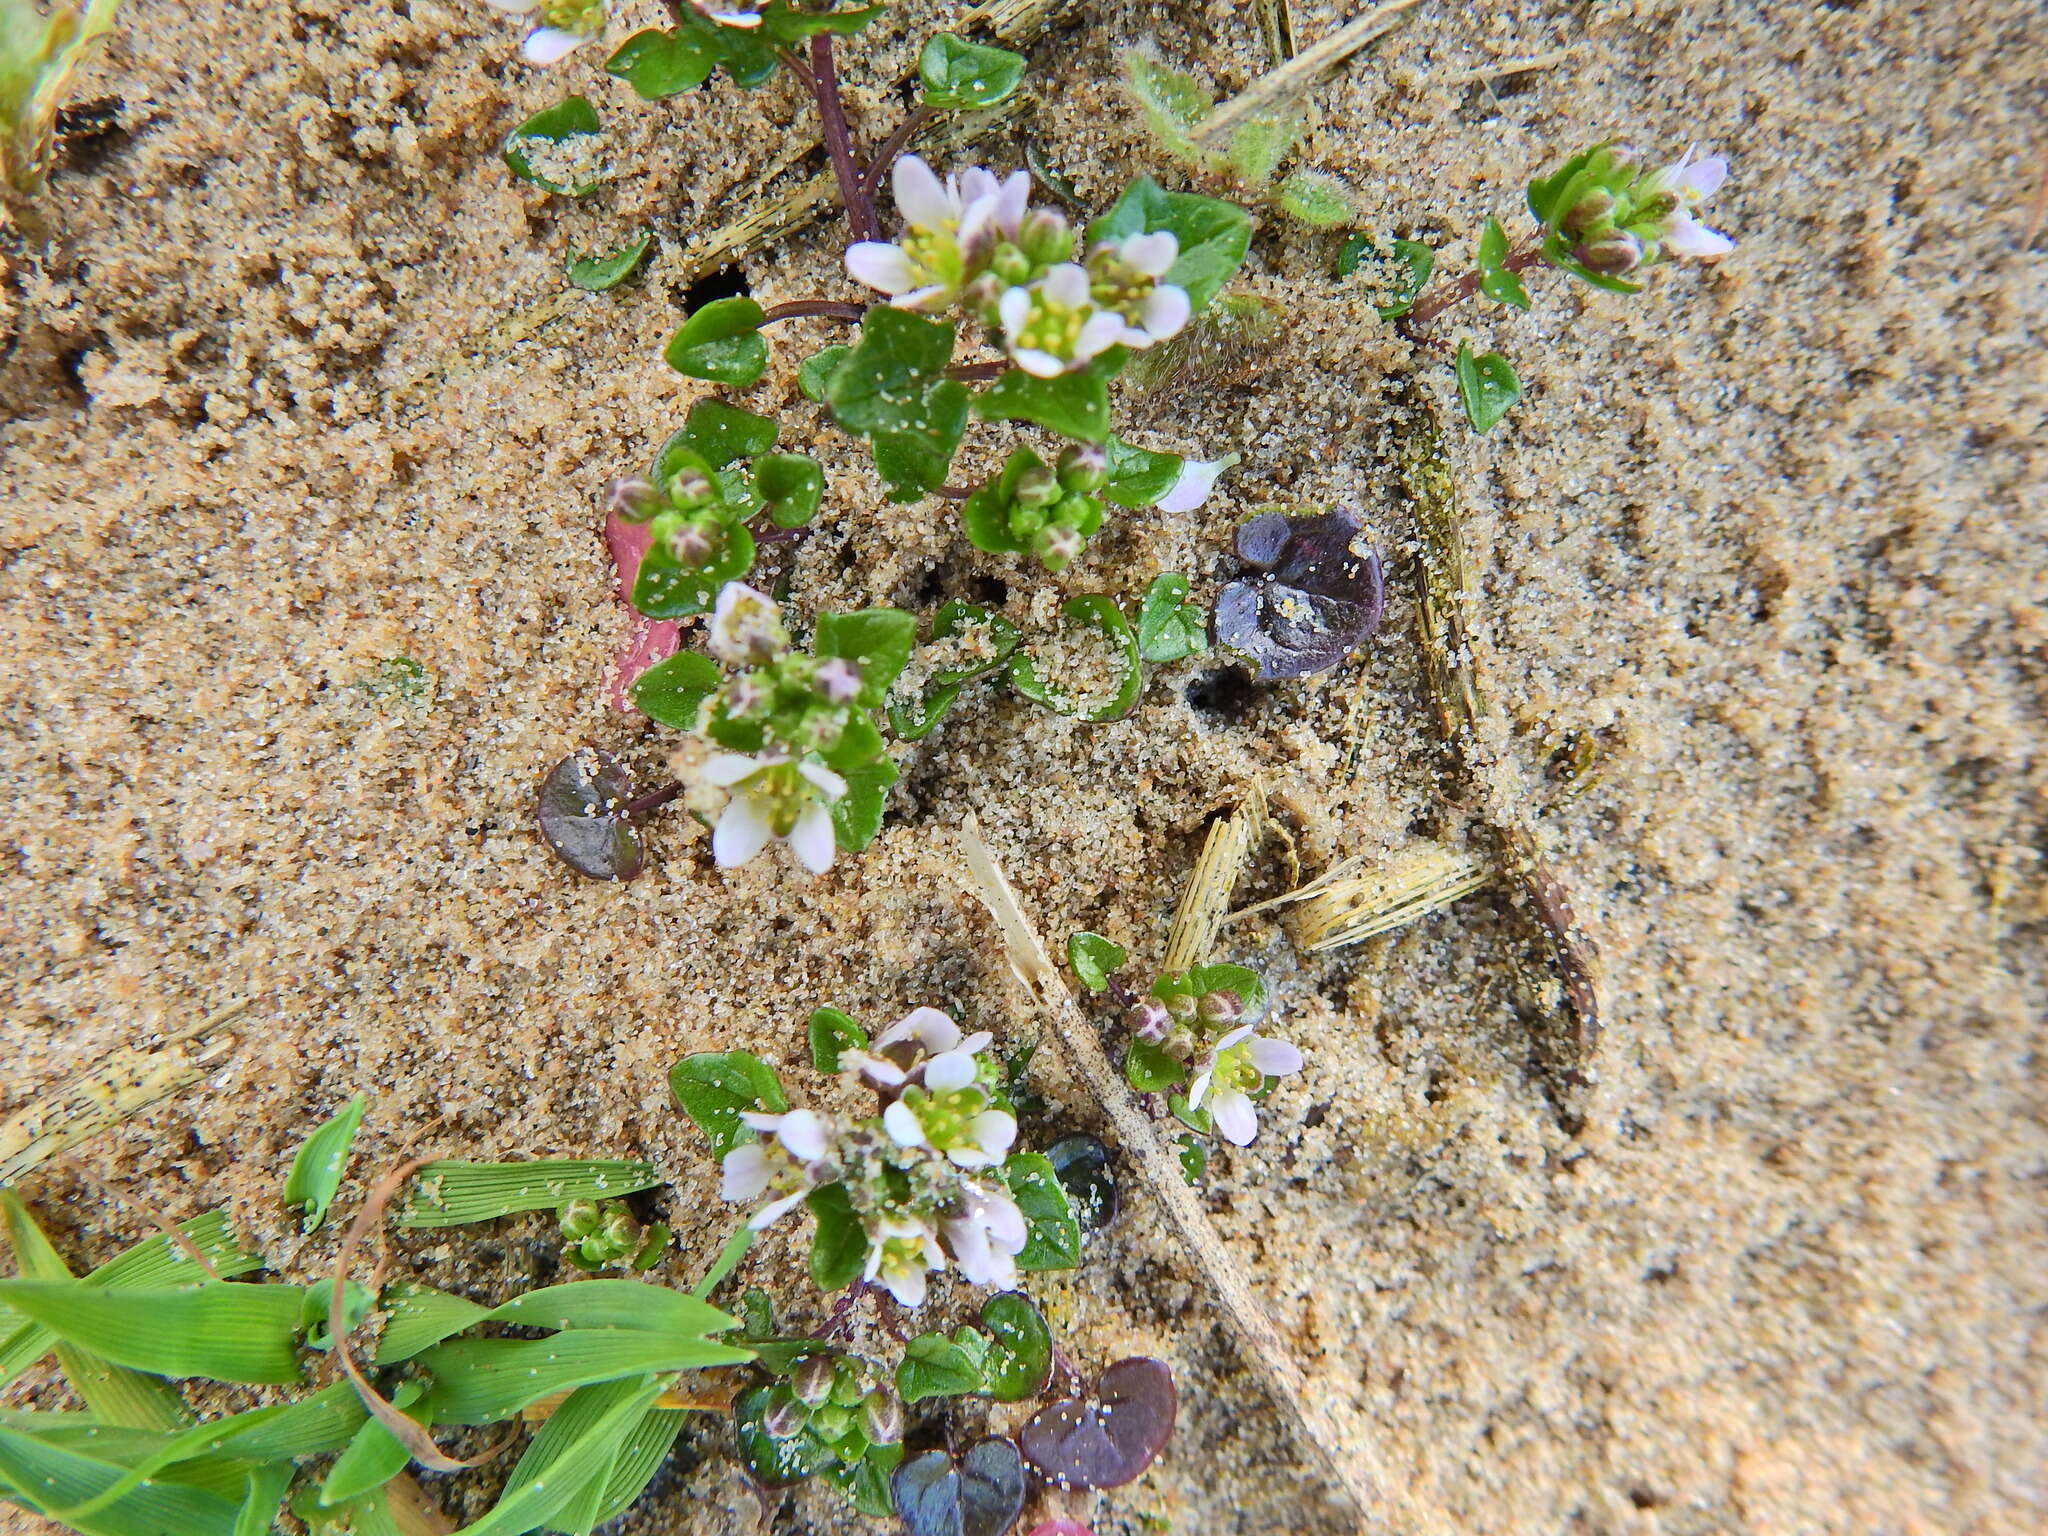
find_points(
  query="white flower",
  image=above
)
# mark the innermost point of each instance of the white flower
(803, 1134)
(1238, 1061)
(1691, 182)
(878, 1070)
(900, 1251)
(902, 1124)
(1054, 326)
(565, 26)
(746, 626)
(951, 225)
(745, 16)
(550, 45)
(791, 1164)
(929, 1027)
(993, 1133)
(986, 1237)
(1125, 277)
(774, 796)
(1191, 487)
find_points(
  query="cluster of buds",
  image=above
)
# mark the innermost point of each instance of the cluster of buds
(803, 705)
(923, 1176)
(695, 523)
(974, 243)
(600, 1234)
(1048, 512)
(837, 1401)
(559, 26)
(1605, 213)
(1203, 1027)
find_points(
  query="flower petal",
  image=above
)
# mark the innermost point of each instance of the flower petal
(881, 265)
(1687, 236)
(920, 198)
(906, 1285)
(550, 45)
(1167, 309)
(812, 839)
(1102, 331)
(948, 1071)
(1235, 1117)
(802, 1135)
(1198, 1088)
(1699, 180)
(829, 783)
(929, 1027)
(1014, 309)
(1191, 487)
(745, 1173)
(993, 1131)
(902, 1125)
(742, 832)
(1152, 254)
(773, 1210)
(1275, 1058)
(1040, 365)
(876, 1069)
(1066, 285)
(514, 7)
(730, 768)
(1242, 1032)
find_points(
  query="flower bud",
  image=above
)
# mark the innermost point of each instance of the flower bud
(849, 1387)
(1083, 467)
(837, 680)
(1036, 487)
(622, 1232)
(882, 1417)
(1589, 213)
(632, 499)
(695, 544)
(1149, 1020)
(784, 1419)
(1057, 546)
(1045, 236)
(831, 1422)
(1024, 522)
(1613, 254)
(689, 487)
(745, 694)
(580, 1218)
(1010, 267)
(746, 627)
(813, 1379)
(821, 730)
(1219, 1008)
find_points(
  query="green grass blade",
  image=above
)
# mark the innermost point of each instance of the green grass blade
(321, 1161)
(226, 1332)
(372, 1459)
(613, 1304)
(576, 1447)
(312, 1426)
(639, 1458)
(40, 1476)
(451, 1194)
(264, 1498)
(480, 1381)
(418, 1317)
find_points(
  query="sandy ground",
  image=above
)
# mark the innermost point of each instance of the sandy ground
(1771, 534)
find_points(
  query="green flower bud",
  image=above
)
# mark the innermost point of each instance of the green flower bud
(1046, 237)
(633, 500)
(1083, 467)
(849, 1386)
(696, 543)
(689, 488)
(580, 1218)
(882, 1417)
(1010, 266)
(814, 1379)
(1057, 546)
(1219, 1008)
(1614, 254)
(784, 1419)
(621, 1232)
(831, 1422)
(1036, 487)
(1025, 522)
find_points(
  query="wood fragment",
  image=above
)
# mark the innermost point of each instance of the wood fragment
(1191, 941)
(1276, 29)
(126, 1081)
(1500, 67)
(1076, 1043)
(1351, 903)
(1278, 89)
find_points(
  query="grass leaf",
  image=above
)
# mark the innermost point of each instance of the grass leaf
(481, 1381)
(242, 1333)
(452, 1194)
(321, 1161)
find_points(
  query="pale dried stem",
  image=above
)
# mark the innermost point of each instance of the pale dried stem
(1278, 89)
(1076, 1043)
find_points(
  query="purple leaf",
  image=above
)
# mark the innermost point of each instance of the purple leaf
(583, 815)
(1311, 597)
(1105, 1443)
(980, 1495)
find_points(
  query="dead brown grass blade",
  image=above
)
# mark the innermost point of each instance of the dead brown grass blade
(1278, 89)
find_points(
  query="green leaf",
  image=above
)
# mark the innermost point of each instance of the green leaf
(245, 1333)
(721, 342)
(1259, 144)
(714, 1087)
(774, 1463)
(1148, 1068)
(595, 274)
(604, 1304)
(566, 120)
(1019, 1361)
(787, 23)
(935, 1366)
(1493, 246)
(373, 1457)
(355, 1306)
(1241, 981)
(1194, 1160)
(952, 619)
(914, 464)
(640, 1456)
(574, 1450)
(1213, 235)
(41, 1476)
(1487, 386)
(1138, 477)
(832, 1032)
(418, 1317)
(1495, 280)
(719, 433)
(859, 744)
(791, 485)
(1102, 615)
(321, 1161)
(1354, 250)
(1054, 1240)
(876, 640)
(839, 1246)
(1420, 261)
(870, 1492)
(884, 383)
(1170, 628)
(1194, 1119)
(453, 1193)
(915, 725)
(1174, 104)
(672, 692)
(480, 1381)
(1073, 404)
(658, 64)
(1094, 958)
(812, 373)
(958, 76)
(857, 814)
(1317, 199)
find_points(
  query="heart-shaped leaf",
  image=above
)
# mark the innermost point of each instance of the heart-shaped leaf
(936, 1366)
(790, 486)
(715, 1087)
(1093, 958)
(1081, 1163)
(980, 1495)
(1072, 404)
(1213, 235)
(1108, 685)
(594, 274)
(959, 75)
(582, 815)
(1312, 597)
(658, 64)
(673, 691)
(832, 1032)
(1106, 1441)
(721, 343)
(566, 120)
(1053, 1239)
(1170, 628)
(1019, 1359)
(1487, 386)
(719, 434)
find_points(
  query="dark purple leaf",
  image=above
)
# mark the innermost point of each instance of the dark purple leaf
(981, 1495)
(1105, 1443)
(1081, 1163)
(1311, 596)
(583, 815)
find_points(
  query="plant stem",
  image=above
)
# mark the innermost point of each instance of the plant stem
(952, 492)
(893, 146)
(797, 309)
(977, 373)
(824, 82)
(1445, 295)
(653, 800)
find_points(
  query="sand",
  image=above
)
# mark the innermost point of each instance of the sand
(1770, 535)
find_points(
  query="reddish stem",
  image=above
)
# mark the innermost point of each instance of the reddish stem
(977, 373)
(653, 800)
(824, 82)
(952, 492)
(797, 309)
(893, 146)
(1445, 295)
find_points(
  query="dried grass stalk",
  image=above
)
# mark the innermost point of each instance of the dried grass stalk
(1203, 904)
(1350, 904)
(1278, 89)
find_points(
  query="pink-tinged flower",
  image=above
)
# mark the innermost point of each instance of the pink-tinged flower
(1690, 183)
(1126, 276)
(986, 1237)
(791, 1164)
(1191, 487)
(565, 25)
(745, 17)
(900, 1251)
(774, 797)
(1238, 1063)
(951, 226)
(1055, 326)
(746, 627)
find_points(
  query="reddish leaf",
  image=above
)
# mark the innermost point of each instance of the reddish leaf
(1105, 1443)
(651, 640)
